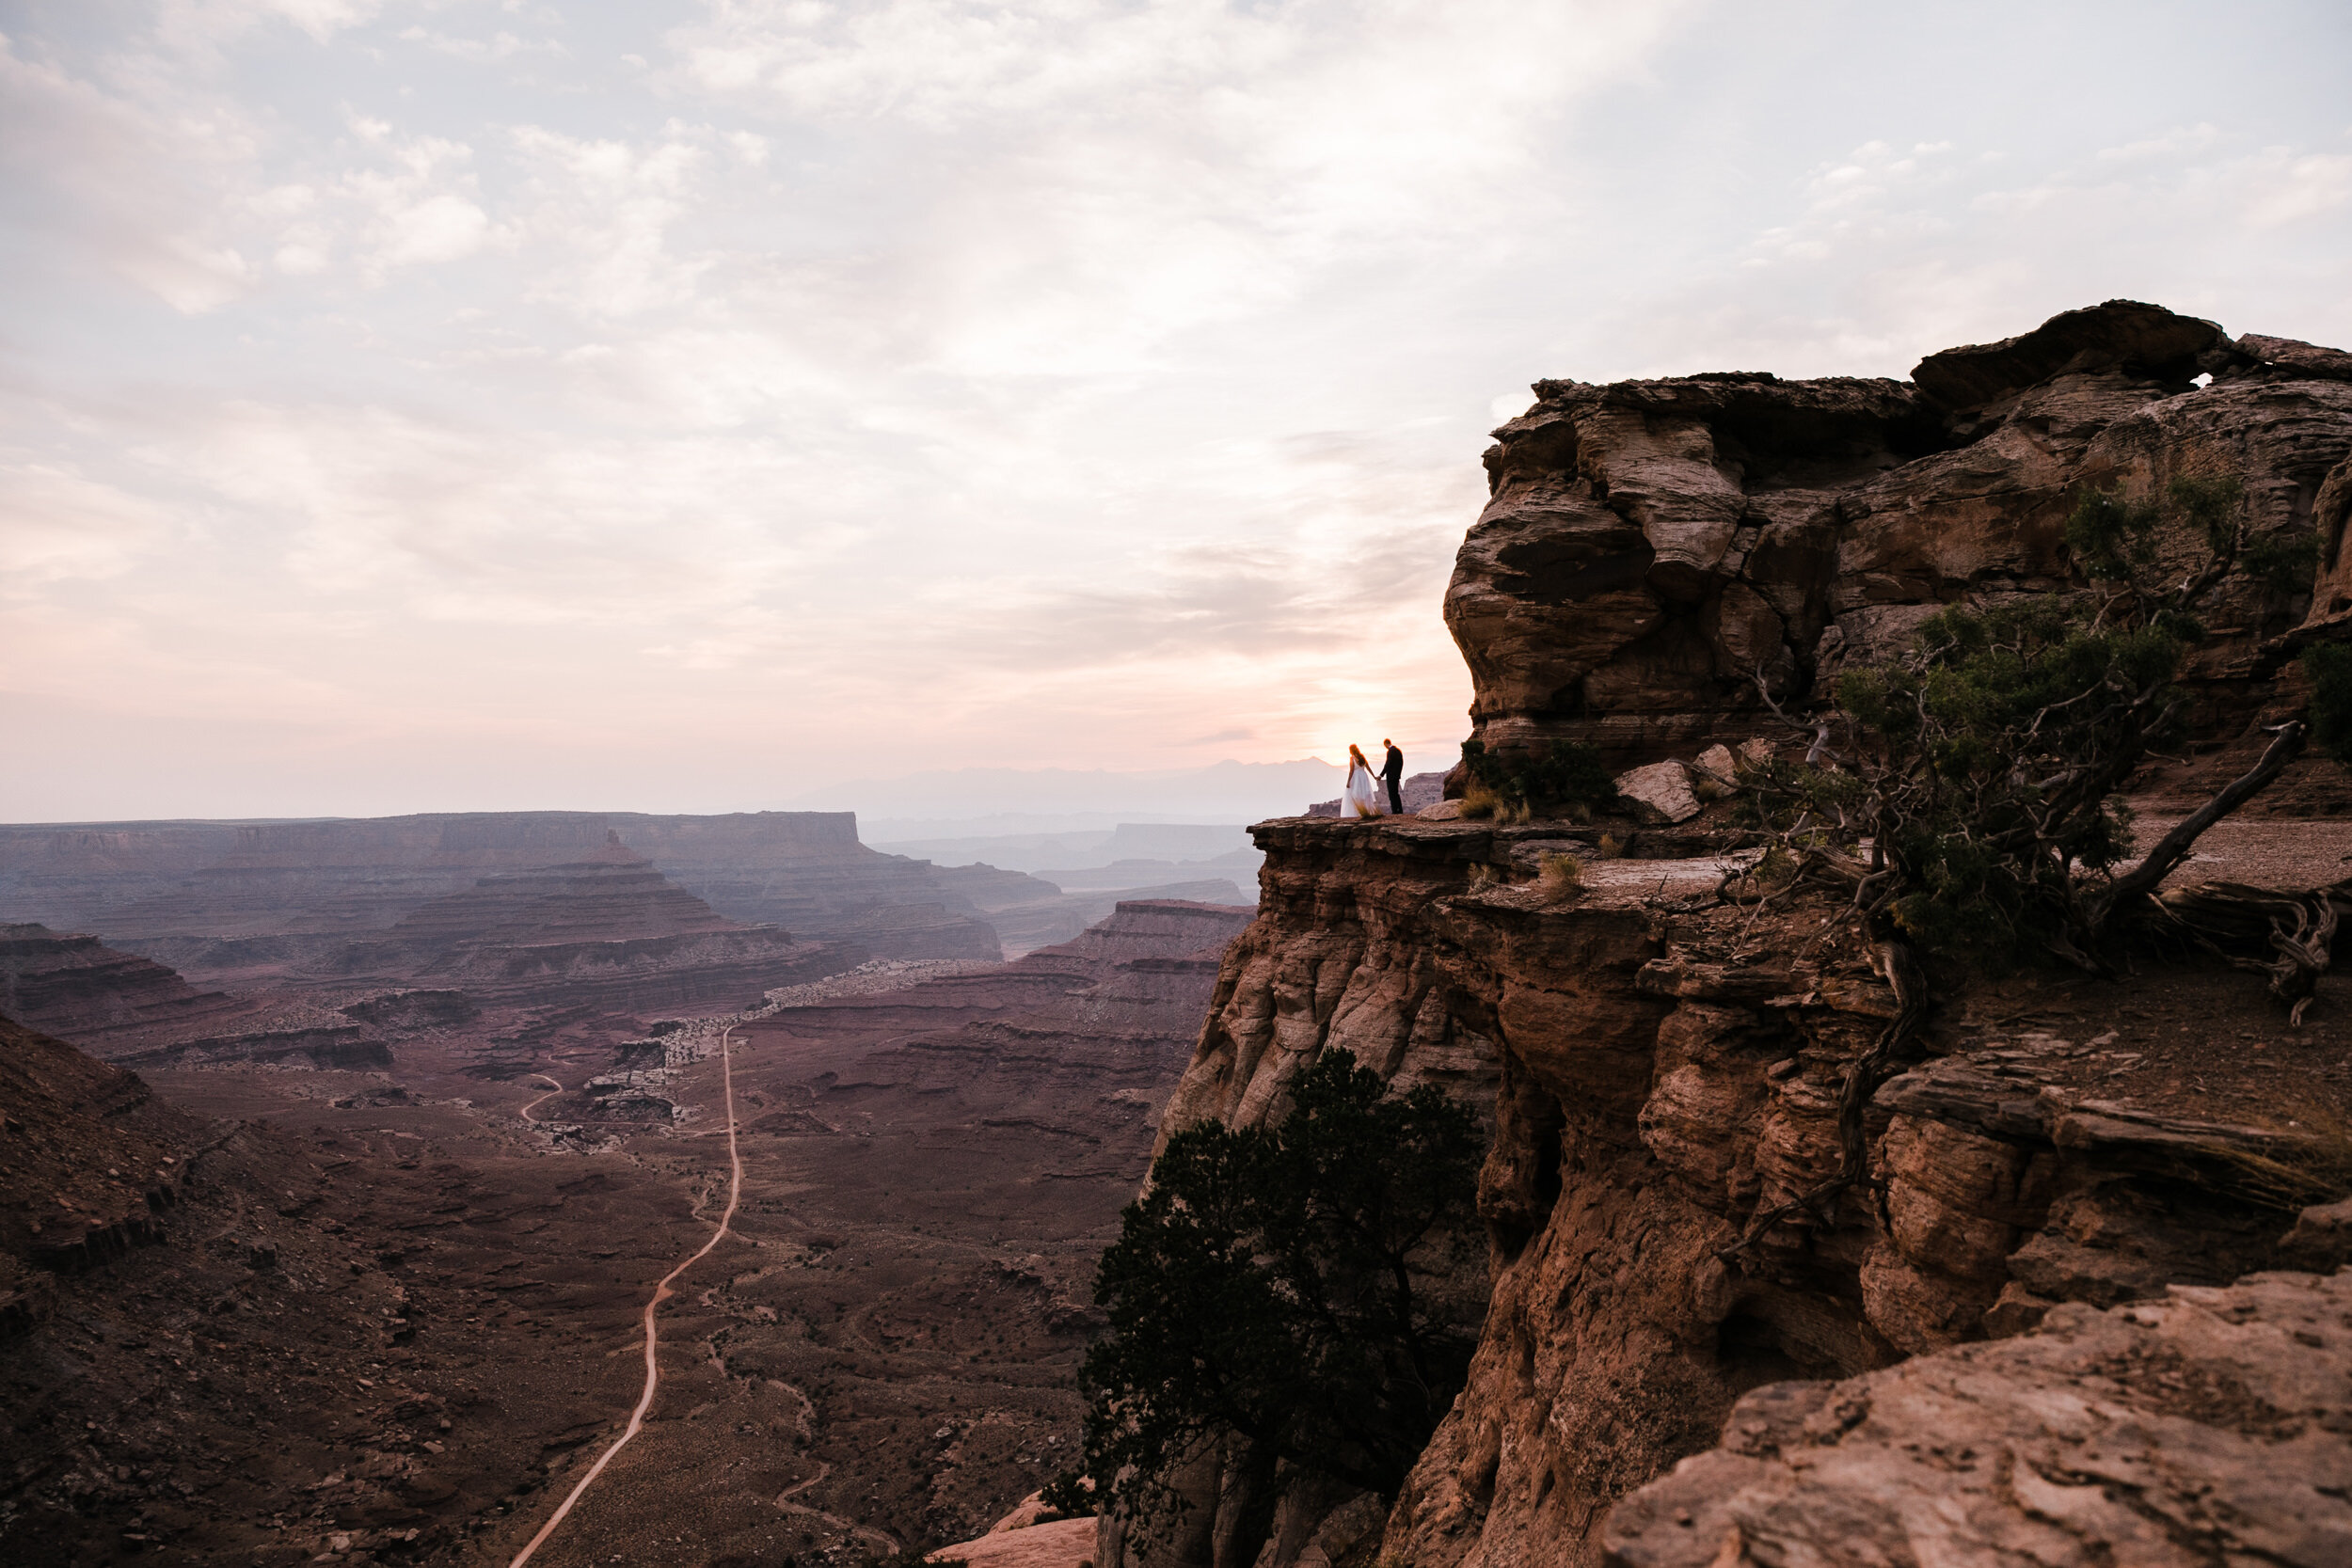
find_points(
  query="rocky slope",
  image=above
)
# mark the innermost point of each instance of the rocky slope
(2204, 1425)
(76, 986)
(124, 1007)
(1663, 1067)
(604, 942)
(220, 1344)
(606, 931)
(1029, 913)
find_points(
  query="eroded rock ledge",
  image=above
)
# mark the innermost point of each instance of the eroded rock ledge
(2206, 1426)
(1663, 1069)
(1652, 547)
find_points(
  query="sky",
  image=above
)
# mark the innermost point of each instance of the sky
(712, 404)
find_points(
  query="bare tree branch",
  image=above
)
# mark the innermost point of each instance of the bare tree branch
(2170, 849)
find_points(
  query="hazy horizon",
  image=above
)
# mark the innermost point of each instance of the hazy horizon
(491, 404)
(983, 802)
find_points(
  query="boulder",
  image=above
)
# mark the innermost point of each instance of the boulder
(2205, 1426)
(2322, 1237)
(2125, 334)
(1719, 768)
(2301, 358)
(1064, 1543)
(1660, 790)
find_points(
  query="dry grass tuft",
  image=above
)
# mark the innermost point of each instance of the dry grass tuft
(1560, 877)
(2313, 1162)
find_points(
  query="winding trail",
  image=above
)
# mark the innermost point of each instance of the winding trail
(550, 1095)
(661, 1292)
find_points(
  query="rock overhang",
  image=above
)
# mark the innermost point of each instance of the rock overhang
(1655, 551)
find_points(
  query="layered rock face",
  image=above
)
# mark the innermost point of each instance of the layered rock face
(73, 875)
(285, 881)
(806, 871)
(124, 1007)
(604, 935)
(1654, 548)
(1663, 1067)
(1661, 1070)
(2204, 1426)
(610, 931)
(77, 987)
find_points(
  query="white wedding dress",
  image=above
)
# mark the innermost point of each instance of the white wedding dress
(1363, 794)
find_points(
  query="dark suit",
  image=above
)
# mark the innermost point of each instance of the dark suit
(1392, 769)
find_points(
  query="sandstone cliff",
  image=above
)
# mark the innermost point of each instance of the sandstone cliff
(124, 1007)
(1652, 547)
(1663, 1066)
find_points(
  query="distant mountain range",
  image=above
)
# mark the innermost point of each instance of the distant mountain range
(967, 802)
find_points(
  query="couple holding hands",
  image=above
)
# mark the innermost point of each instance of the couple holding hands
(1362, 795)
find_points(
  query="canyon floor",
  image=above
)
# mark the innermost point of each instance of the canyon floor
(401, 1324)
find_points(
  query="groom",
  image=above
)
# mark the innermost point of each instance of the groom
(1392, 769)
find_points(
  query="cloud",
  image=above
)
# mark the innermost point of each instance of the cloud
(145, 188)
(498, 46)
(58, 525)
(1098, 179)
(1887, 255)
(602, 210)
(806, 387)
(422, 210)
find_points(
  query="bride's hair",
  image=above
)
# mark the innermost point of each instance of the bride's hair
(1355, 754)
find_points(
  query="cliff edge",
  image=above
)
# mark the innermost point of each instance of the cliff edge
(1662, 1059)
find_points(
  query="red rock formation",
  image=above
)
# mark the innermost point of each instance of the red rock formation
(1661, 1070)
(2204, 1426)
(280, 880)
(127, 1008)
(74, 875)
(1664, 1068)
(607, 931)
(1651, 546)
(77, 987)
(87, 1160)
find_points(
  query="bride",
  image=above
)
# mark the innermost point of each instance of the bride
(1362, 794)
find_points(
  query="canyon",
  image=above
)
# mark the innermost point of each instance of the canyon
(385, 1313)
(2078, 1306)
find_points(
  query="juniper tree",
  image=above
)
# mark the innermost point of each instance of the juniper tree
(1968, 791)
(1281, 1290)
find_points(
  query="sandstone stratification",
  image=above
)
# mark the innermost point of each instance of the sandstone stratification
(1652, 546)
(123, 1007)
(1664, 1065)
(283, 889)
(1663, 1069)
(606, 931)
(75, 985)
(2205, 1426)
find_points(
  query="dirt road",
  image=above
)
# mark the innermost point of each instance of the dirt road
(661, 1292)
(543, 1098)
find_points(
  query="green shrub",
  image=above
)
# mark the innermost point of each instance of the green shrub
(1561, 776)
(1974, 778)
(1272, 1289)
